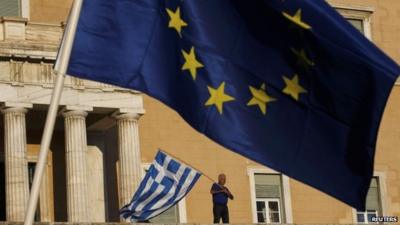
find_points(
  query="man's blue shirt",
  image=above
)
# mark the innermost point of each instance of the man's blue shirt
(220, 198)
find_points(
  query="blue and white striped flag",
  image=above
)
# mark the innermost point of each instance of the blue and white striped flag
(166, 182)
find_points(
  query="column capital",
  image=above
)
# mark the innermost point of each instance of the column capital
(81, 111)
(129, 114)
(126, 116)
(15, 107)
(78, 113)
(78, 108)
(18, 110)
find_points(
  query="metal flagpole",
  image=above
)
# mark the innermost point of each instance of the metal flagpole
(60, 69)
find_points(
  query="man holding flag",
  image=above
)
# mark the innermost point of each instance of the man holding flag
(220, 195)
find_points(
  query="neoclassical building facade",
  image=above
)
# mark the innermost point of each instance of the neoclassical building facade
(105, 137)
(87, 111)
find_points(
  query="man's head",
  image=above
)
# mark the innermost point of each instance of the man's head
(221, 179)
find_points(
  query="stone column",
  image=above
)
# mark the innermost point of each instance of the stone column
(16, 165)
(75, 155)
(129, 155)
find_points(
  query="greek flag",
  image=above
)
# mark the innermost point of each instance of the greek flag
(166, 182)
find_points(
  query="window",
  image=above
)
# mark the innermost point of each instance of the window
(373, 205)
(269, 198)
(358, 24)
(10, 8)
(18, 8)
(268, 211)
(366, 217)
(358, 16)
(169, 216)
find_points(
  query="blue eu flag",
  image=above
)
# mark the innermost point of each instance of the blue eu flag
(289, 84)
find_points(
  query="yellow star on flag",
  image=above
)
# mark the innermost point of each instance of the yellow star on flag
(260, 98)
(218, 97)
(297, 19)
(176, 20)
(293, 88)
(302, 58)
(191, 62)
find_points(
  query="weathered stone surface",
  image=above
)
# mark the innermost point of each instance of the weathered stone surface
(27, 75)
(76, 162)
(129, 156)
(17, 190)
(95, 184)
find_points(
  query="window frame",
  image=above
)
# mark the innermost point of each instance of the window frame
(182, 215)
(286, 216)
(24, 9)
(357, 12)
(382, 196)
(365, 215)
(266, 201)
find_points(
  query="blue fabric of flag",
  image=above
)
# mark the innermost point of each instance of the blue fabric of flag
(166, 182)
(289, 84)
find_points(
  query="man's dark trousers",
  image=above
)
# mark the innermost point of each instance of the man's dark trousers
(221, 211)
